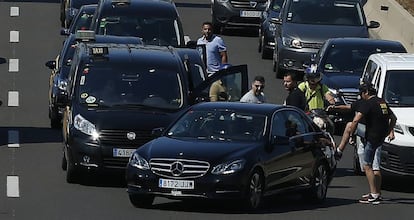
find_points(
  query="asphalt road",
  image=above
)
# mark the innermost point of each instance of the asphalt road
(33, 186)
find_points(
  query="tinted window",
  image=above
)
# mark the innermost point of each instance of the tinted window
(162, 31)
(325, 12)
(113, 84)
(220, 125)
(398, 88)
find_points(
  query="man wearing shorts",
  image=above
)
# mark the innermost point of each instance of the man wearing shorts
(379, 121)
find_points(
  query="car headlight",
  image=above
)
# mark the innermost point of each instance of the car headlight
(336, 95)
(272, 28)
(290, 42)
(229, 167)
(139, 162)
(62, 84)
(398, 128)
(85, 126)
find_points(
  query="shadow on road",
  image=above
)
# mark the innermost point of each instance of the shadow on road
(29, 135)
(276, 204)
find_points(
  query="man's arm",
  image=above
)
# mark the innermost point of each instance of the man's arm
(392, 122)
(223, 55)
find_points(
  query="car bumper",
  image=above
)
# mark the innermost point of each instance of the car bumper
(207, 187)
(90, 155)
(397, 160)
(227, 15)
(294, 58)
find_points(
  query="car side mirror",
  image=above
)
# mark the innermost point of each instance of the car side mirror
(157, 132)
(64, 32)
(373, 24)
(2, 60)
(51, 64)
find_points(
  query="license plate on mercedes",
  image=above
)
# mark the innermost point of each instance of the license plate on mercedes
(176, 184)
(250, 14)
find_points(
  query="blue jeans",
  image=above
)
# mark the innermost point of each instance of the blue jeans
(372, 155)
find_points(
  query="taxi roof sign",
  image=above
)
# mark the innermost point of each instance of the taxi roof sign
(85, 35)
(98, 51)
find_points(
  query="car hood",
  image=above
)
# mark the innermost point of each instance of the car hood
(206, 150)
(341, 80)
(320, 33)
(128, 119)
(404, 115)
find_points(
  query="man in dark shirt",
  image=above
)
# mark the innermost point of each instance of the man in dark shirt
(379, 122)
(296, 97)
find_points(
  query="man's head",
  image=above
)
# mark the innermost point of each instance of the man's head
(258, 85)
(207, 29)
(289, 81)
(313, 76)
(366, 90)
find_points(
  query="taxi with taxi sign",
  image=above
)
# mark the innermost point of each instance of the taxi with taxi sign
(61, 65)
(118, 93)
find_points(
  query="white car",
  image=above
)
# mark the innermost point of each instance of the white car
(392, 75)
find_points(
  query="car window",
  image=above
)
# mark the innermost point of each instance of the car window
(295, 124)
(276, 5)
(278, 125)
(222, 125)
(398, 87)
(325, 12)
(114, 84)
(370, 70)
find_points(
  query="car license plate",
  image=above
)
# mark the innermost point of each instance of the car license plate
(119, 152)
(176, 184)
(250, 14)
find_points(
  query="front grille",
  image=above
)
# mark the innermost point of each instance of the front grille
(115, 162)
(349, 97)
(119, 138)
(394, 162)
(247, 4)
(311, 45)
(179, 168)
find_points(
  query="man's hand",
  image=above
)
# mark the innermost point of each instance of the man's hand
(338, 154)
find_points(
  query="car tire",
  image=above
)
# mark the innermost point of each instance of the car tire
(319, 184)
(356, 165)
(141, 201)
(72, 173)
(260, 45)
(64, 162)
(254, 192)
(55, 118)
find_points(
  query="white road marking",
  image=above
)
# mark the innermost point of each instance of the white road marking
(14, 11)
(13, 65)
(13, 139)
(13, 186)
(14, 36)
(13, 99)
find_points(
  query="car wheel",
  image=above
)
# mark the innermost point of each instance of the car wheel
(64, 162)
(260, 46)
(55, 119)
(356, 164)
(141, 201)
(72, 173)
(319, 184)
(255, 188)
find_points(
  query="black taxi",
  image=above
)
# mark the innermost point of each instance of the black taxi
(119, 93)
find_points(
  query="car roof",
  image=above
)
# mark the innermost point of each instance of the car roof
(79, 3)
(157, 8)
(363, 41)
(88, 8)
(264, 108)
(395, 61)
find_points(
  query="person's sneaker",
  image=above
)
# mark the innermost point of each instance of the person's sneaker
(367, 195)
(369, 199)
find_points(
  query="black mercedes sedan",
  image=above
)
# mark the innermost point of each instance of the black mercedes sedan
(231, 150)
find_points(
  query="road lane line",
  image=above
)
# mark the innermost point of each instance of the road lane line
(13, 186)
(13, 99)
(13, 65)
(13, 139)
(14, 36)
(14, 11)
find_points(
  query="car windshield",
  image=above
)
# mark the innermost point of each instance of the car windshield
(325, 12)
(152, 30)
(276, 5)
(82, 22)
(79, 3)
(222, 125)
(115, 85)
(398, 89)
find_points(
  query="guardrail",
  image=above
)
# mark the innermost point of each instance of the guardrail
(396, 23)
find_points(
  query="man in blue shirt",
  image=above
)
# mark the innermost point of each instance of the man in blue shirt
(216, 50)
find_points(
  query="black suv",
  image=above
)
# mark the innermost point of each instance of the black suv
(119, 93)
(61, 65)
(70, 8)
(236, 13)
(156, 22)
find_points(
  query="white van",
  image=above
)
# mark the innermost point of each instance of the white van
(392, 75)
